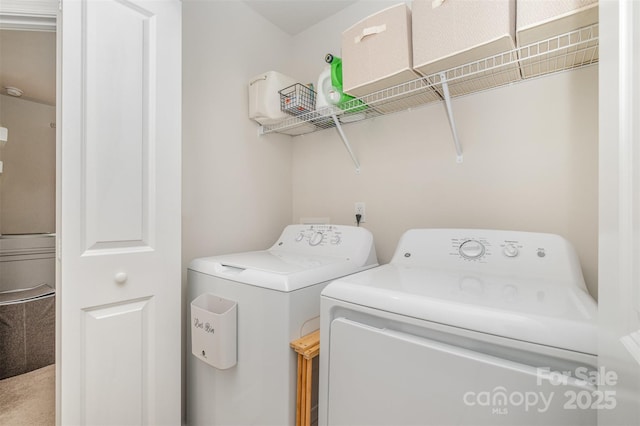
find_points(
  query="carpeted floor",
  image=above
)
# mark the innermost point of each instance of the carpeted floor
(29, 399)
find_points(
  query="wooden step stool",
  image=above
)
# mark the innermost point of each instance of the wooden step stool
(307, 347)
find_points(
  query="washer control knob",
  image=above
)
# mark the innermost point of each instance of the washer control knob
(471, 249)
(299, 237)
(316, 239)
(510, 250)
(336, 239)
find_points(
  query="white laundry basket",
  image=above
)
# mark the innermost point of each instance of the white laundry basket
(214, 325)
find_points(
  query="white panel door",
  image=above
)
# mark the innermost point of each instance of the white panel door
(119, 205)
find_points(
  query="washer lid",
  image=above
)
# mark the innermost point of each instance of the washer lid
(277, 270)
(303, 255)
(532, 310)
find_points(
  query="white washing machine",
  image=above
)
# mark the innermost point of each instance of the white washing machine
(463, 327)
(277, 292)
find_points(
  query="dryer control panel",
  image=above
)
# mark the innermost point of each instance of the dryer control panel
(479, 248)
(497, 252)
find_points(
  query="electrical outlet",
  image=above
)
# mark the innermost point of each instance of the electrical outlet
(359, 209)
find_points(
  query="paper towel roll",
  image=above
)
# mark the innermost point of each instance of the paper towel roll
(327, 94)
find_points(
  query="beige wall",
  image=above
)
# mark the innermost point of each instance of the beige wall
(27, 184)
(530, 164)
(236, 184)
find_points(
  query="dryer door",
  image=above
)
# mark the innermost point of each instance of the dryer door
(383, 377)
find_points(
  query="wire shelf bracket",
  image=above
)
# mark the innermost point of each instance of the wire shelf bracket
(452, 123)
(346, 143)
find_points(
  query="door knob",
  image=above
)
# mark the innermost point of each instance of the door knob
(121, 277)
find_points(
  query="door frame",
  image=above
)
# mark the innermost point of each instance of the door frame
(619, 205)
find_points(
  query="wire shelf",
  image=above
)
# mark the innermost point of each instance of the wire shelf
(564, 52)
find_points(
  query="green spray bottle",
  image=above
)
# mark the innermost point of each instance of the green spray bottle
(336, 82)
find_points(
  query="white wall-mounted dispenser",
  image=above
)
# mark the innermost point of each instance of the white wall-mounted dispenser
(214, 329)
(264, 99)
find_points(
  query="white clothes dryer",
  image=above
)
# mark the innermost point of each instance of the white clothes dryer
(277, 295)
(463, 327)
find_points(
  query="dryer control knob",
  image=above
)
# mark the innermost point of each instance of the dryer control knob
(316, 239)
(471, 249)
(336, 239)
(299, 237)
(510, 250)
